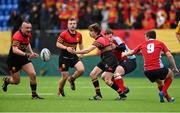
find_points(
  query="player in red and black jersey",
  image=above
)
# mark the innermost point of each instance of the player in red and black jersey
(126, 64)
(108, 63)
(67, 41)
(19, 58)
(153, 67)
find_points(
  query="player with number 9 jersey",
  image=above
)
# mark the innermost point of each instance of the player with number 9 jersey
(151, 51)
(153, 67)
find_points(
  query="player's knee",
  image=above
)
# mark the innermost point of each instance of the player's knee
(33, 78)
(92, 75)
(170, 74)
(108, 82)
(64, 76)
(32, 73)
(81, 71)
(117, 76)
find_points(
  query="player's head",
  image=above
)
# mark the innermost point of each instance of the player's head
(72, 24)
(108, 33)
(94, 30)
(26, 27)
(150, 34)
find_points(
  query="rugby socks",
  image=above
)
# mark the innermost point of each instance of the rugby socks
(116, 88)
(96, 86)
(167, 83)
(167, 96)
(120, 83)
(72, 78)
(33, 88)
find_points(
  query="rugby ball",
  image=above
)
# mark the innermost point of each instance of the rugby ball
(45, 54)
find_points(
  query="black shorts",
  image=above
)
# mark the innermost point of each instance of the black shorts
(153, 75)
(129, 65)
(66, 62)
(108, 63)
(15, 62)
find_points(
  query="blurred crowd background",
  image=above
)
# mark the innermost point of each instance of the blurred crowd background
(117, 14)
(129, 19)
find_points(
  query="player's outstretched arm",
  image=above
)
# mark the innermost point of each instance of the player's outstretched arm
(86, 50)
(172, 61)
(32, 54)
(128, 53)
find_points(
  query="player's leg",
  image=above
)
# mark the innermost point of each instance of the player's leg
(107, 77)
(167, 82)
(94, 73)
(117, 78)
(29, 69)
(63, 68)
(62, 82)
(123, 69)
(79, 71)
(160, 84)
(13, 79)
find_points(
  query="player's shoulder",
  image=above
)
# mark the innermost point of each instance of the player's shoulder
(158, 41)
(79, 34)
(64, 32)
(17, 35)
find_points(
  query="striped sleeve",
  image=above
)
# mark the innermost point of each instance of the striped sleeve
(16, 43)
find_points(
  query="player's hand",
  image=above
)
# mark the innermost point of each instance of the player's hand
(123, 54)
(33, 55)
(175, 70)
(70, 49)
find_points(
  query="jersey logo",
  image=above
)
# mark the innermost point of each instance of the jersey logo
(78, 39)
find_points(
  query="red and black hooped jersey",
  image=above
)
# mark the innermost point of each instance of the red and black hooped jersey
(70, 40)
(20, 40)
(101, 42)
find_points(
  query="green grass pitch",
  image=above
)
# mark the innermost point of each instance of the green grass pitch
(143, 97)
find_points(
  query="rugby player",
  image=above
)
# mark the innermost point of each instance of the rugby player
(154, 69)
(19, 58)
(66, 42)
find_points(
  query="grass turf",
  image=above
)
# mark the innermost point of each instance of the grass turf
(143, 97)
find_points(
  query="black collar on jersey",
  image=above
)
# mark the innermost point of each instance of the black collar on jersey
(73, 35)
(24, 35)
(100, 35)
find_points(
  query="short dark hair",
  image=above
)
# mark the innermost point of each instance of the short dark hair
(95, 27)
(108, 31)
(72, 19)
(151, 34)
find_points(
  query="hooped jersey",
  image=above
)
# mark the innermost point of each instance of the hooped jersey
(101, 42)
(69, 40)
(20, 40)
(151, 51)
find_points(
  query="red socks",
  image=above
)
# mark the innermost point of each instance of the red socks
(120, 83)
(167, 83)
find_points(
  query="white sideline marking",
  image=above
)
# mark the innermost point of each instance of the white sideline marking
(91, 112)
(104, 87)
(21, 94)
